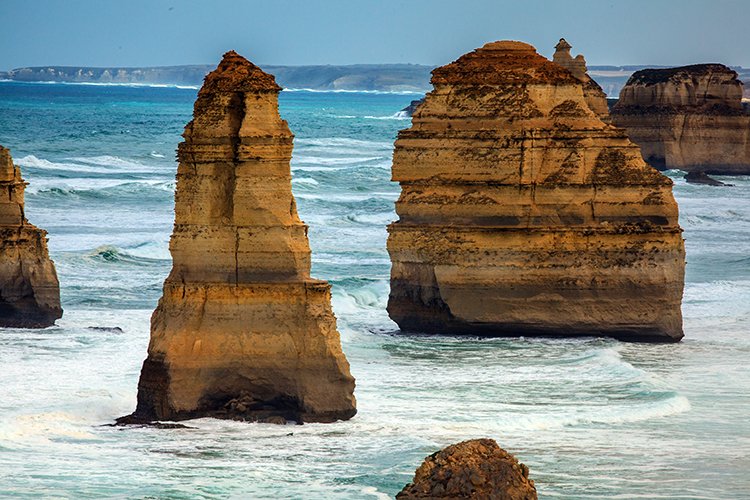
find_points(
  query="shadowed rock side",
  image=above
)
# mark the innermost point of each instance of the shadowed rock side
(690, 118)
(477, 469)
(522, 213)
(241, 331)
(592, 92)
(29, 290)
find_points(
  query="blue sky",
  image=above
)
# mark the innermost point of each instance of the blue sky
(158, 32)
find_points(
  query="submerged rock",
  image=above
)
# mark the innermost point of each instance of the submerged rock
(592, 92)
(241, 331)
(476, 469)
(411, 108)
(688, 118)
(29, 290)
(522, 213)
(698, 177)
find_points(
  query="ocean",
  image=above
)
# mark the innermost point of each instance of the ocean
(592, 418)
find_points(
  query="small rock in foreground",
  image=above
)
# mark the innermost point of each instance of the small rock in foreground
(475, 469)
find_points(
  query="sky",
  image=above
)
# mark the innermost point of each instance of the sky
(432, 32)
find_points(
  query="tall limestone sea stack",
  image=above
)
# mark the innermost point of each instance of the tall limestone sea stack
(522, 213)
(241, 331)
(29, 290)
(690, 118)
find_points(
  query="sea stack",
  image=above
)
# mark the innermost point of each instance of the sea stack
(689, 118)
(592, 92)
(522, 213)
(477, 469)
(29, 290)
(241, 331)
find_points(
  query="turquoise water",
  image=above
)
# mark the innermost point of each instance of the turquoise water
(592, 418)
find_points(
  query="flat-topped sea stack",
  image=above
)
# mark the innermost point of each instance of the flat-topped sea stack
(241, 331)
(592, 92)
(689, 118)
(522, 213)
(29, 290)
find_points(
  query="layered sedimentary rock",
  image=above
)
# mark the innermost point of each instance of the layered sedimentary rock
(477, 469)
(241, 331)
(29, 290)
(522, 213)
(592, 92)
(690, 118)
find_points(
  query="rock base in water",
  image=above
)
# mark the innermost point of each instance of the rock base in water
(699, 177)
(477, 469)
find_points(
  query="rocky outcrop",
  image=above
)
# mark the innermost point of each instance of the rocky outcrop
(698, 177)
(409, 110)
(689, 118)
(522, 213)
(29, 290)
(592, 92)
(477, 469)
(241, 331)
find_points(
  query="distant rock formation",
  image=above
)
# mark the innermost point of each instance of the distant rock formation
(592, 92)
(29, 290)
(241, 331)
(522, 213)
(689, 118)
(475, 469)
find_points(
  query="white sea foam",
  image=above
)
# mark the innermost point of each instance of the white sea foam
(347, 91)
(322, 160)
(113, 84)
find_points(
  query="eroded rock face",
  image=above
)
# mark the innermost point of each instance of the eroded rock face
(690, 118)
(522, 213)
(29, 290)
(592, 92)
(477, 469)
(241, 331)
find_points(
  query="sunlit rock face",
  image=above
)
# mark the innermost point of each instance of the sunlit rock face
(690, 118)
(29, 290)
(595, 97)
(522, 213)
(242, 331)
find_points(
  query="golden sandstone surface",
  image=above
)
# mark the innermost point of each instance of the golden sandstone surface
(29, 290)
(241, 331)
(523, 213)
(691, 118)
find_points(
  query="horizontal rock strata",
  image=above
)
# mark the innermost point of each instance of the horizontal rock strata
(29, 290)
(690, 118)
(522, 213)
(241, 331)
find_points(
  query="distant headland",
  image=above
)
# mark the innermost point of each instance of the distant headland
(379, 77)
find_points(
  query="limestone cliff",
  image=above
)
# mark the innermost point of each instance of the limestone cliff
(241, 331)
(522, 213)
(592, 92)
(477, 469)
(691, 118)
(29, 290)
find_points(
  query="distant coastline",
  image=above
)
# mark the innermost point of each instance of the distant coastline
(356, 77)
(407, 78)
